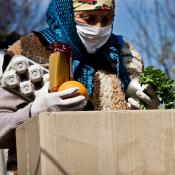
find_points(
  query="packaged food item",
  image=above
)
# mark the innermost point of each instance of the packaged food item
(24, 77)
(59, 70)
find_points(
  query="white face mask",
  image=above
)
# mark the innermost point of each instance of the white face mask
(93, 38)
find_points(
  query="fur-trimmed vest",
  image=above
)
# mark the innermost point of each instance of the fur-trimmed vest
(107, 94)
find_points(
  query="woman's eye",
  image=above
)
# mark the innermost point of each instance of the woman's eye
(106, 20)
(90, 20)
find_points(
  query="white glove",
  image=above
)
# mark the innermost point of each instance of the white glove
(57, 101)
(145, 94)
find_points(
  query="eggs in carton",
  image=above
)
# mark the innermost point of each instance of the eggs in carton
(24, 77)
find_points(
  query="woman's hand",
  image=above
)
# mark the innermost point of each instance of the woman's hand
(57, 101)
(145, 94)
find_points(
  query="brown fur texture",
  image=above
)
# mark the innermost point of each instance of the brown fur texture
(107, 94)
(32, 47)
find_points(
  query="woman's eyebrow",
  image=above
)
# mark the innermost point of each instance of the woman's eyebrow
(82, 14)
(86, 14)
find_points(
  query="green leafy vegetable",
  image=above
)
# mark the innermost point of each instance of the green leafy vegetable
(164, 87)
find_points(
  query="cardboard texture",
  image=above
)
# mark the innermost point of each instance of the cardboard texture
(3, 161)
(98, 143)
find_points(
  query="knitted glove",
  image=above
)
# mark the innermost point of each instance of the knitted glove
(57, 101)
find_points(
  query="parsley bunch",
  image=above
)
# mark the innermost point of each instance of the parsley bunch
(164, 87)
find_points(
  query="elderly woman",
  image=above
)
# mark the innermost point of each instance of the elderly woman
(103, 62)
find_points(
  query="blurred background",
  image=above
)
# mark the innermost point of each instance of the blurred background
(149, 25)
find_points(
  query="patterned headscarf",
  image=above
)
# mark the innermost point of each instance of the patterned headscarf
(93, 4)
(62, 29)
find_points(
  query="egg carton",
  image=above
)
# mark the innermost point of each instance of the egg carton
(24, 77)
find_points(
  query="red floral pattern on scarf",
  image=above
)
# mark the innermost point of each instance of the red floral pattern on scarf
(104, 7)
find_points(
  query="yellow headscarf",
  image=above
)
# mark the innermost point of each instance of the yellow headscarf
(93, 4)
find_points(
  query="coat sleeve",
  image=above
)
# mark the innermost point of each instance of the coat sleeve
(13, 109)
(13, 112)
(132, 60)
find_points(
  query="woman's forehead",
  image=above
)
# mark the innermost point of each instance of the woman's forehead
(95, 12)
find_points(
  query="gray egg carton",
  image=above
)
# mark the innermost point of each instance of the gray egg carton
(24, 77)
